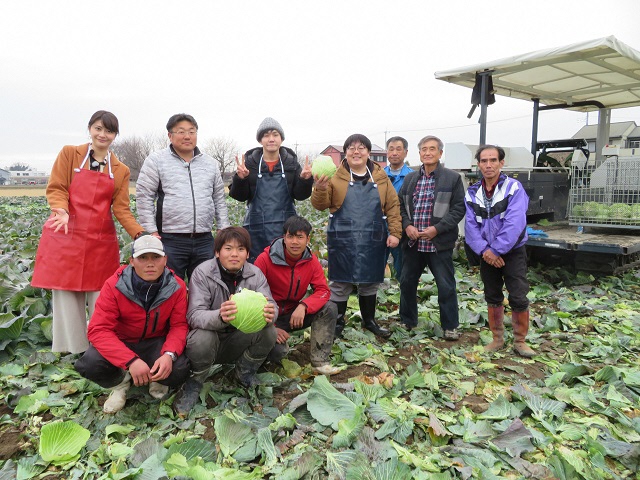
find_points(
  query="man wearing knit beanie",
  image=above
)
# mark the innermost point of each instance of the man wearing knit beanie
(267, 125)
(270, 179)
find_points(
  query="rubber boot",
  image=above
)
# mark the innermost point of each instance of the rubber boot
(277, 353)
(118, 396)
(496, 324)
(246, 368)
(368, 312)
(189, 393)
(340, 323)
(520, 321)
(157, 390)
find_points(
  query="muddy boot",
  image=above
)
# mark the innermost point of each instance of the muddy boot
(157, 390)
(496, 324)
(189, 393)
(323, 328)
(277, 353)
(368, 312)
(246, 368)
(340, 323)
(118, 396)
(520, 321)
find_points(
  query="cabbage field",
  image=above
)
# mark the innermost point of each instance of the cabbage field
(411, 407)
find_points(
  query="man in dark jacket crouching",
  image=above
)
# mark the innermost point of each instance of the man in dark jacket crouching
(138, 330)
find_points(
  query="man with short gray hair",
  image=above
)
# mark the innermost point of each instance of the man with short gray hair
(432, 206)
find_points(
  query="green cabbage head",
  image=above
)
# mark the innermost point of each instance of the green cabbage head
(323, 165)
(250, 316)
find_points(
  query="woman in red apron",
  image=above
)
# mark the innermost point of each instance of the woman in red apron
(364, 220)
(78, 248)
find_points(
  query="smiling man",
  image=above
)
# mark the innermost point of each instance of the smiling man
(290, 269)
(496, 230)
(212, 339)
(138, 330)
(270, 179)
(431, 205)
(179, 195)
(397, 170)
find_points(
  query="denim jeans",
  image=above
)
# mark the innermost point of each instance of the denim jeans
(397, 260)
(184, 253)
(513, 275)
(93, 366)
(441, 266)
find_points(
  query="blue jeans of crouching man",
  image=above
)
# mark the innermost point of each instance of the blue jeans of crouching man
(246, 350)
(96, 368)
(323, 326)
(513, 275)
(441, 266)
(185, 253)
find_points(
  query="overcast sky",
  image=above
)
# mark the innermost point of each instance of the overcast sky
(324, 69)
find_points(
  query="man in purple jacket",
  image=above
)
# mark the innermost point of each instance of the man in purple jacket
(496, 229)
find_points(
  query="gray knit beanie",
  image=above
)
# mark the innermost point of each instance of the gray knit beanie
(267, 125)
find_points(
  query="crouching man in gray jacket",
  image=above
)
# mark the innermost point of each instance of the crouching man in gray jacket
(212, 340)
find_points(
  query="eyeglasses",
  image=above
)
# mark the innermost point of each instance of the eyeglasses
(184, 133)
(360, 148)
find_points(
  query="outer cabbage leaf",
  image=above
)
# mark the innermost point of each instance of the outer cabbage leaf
(327, 405)
(60, 442)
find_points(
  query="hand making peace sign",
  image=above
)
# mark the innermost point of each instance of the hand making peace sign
(241, 170)
(305, 174)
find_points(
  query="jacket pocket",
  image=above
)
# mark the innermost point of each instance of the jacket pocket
(441, 206)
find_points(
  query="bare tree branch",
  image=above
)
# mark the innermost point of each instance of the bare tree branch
(223, 150)
(133, 150)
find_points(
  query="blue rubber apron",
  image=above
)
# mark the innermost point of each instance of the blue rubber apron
(357, 236)
(270, 207)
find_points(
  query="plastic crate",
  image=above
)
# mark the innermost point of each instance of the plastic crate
(607, 195)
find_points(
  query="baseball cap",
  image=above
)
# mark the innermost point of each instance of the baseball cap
(147, 244)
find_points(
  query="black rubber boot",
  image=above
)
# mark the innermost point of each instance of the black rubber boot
(246, 368)
(340, 323)
(368, 311)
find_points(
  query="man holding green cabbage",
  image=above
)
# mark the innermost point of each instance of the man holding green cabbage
(231, 315)
(291, 268)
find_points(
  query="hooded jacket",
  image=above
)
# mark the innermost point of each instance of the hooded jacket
(174, 196)
(501, 224)
(244, 189)
(120, 317)
(336, 192)
(207, 291)
(289, 284)
(448, 206)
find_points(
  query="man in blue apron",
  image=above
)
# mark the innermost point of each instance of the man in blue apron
(269, 178)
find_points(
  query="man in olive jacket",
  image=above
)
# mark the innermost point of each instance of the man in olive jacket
(432, 206)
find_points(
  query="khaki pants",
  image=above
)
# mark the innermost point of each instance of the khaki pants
(70, 320)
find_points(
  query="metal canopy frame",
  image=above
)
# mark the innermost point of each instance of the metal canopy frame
(599, 74)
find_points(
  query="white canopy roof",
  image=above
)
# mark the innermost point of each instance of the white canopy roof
(603, 70)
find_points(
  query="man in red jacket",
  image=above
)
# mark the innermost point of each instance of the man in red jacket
(139, 328)
(290, 268)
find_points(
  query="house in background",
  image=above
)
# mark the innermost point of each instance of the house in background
(28, 177)
(377, 154)
(5, 177)
(622, 134)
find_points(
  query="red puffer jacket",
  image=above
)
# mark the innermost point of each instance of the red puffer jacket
(289, 285)
(120, 318)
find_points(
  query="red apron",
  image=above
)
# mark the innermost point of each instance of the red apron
(82, 259)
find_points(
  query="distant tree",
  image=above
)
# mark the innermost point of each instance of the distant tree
(133, 150)
(19, 167)
(302, 155)
(223, 150)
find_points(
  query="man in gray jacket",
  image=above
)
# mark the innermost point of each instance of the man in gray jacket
(432, 206)
(179, 193)
(212, 339)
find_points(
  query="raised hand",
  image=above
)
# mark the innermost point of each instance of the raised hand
(322, 183)
(241, 170)
(305, 174)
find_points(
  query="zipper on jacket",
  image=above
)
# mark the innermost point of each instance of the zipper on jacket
(146, 324)
(193, 197)
(155, 321)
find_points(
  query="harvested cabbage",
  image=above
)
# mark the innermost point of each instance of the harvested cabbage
(323, 165)
(250, 316)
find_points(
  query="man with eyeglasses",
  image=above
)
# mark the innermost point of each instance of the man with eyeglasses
(179, 194)
(432, 206)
